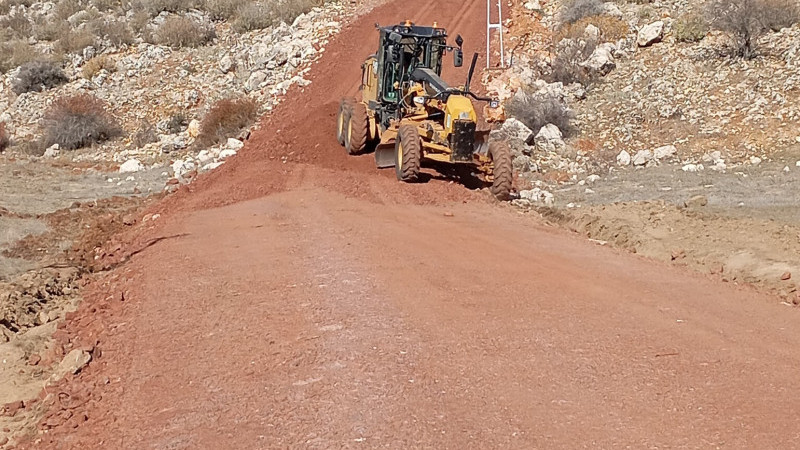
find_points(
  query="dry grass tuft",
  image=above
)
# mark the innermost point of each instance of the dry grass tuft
(225, 119)
(96, 64)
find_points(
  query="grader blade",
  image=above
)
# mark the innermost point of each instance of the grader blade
(384, 156)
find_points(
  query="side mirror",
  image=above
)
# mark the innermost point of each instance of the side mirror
(459, 40)
(395, 37)
(458, 57)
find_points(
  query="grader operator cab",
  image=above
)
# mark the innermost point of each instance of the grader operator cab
(410, 115)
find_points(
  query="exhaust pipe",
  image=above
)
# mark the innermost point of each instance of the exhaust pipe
(471, 70)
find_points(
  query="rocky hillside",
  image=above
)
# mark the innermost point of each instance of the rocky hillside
(600, 86)
(147, 77)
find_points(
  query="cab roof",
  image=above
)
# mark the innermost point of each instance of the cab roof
(409, 29)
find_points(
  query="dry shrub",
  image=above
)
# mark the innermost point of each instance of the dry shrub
(178, 32)
(4, 139)
(258, 15)
(96, 64)
(36, 76)
(155, 7)
(779, 14)
(538, 109)
(146, 134)
(66, 8)
(576, 10)
(566, 63)
(254, 16)
(115, 31)
(109, 5)
(288, 10)
(16, 53)
(223, 9)
(50, 30)
(225, 119)
(74, 41)
(611, 28)
(176, 123)
(690, 28)
(747, 20)
(15, 26)
(78, 121)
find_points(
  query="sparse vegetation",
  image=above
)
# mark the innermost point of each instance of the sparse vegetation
(224, 9)
(78, 121)
(537, 110)
(225, 119)
(4, 139)
(115, 31)
(36, 76)
(690, 28)
(16, 53)
(253, 16)
(50, 30)
(566, 63)
(15, 26)
(179, 31)
(575, 10)
(64, 9)
(74, 41)
(611, 28)
(96, 64)
(145, 134)
(747, 20)
(176, 123)
(257, 15)
(156, 7)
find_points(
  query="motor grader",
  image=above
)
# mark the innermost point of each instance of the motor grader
(409, 115)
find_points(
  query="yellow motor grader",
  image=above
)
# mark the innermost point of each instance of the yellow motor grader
(410, 115)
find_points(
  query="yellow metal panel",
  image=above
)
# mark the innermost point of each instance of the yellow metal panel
(458, 107)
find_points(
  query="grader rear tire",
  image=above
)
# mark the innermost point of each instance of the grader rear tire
(342, 118)
(408, 151)
(357, 132)
(502, 172)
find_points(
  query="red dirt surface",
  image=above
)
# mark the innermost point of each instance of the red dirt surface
(298, 298)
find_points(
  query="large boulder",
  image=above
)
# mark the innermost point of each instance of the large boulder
(650, 34)
(549, 138)
(601, 60)
(517, 131)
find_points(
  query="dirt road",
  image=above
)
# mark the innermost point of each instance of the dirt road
(297, 298)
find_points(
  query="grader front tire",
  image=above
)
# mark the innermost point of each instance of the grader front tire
(502, 172)
(408, 151)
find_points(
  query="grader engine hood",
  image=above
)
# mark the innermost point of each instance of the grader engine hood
(460, 121)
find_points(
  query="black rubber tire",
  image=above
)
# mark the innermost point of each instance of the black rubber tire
(357, 129)
(342, 119)
(503, 172)
(408, 153)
